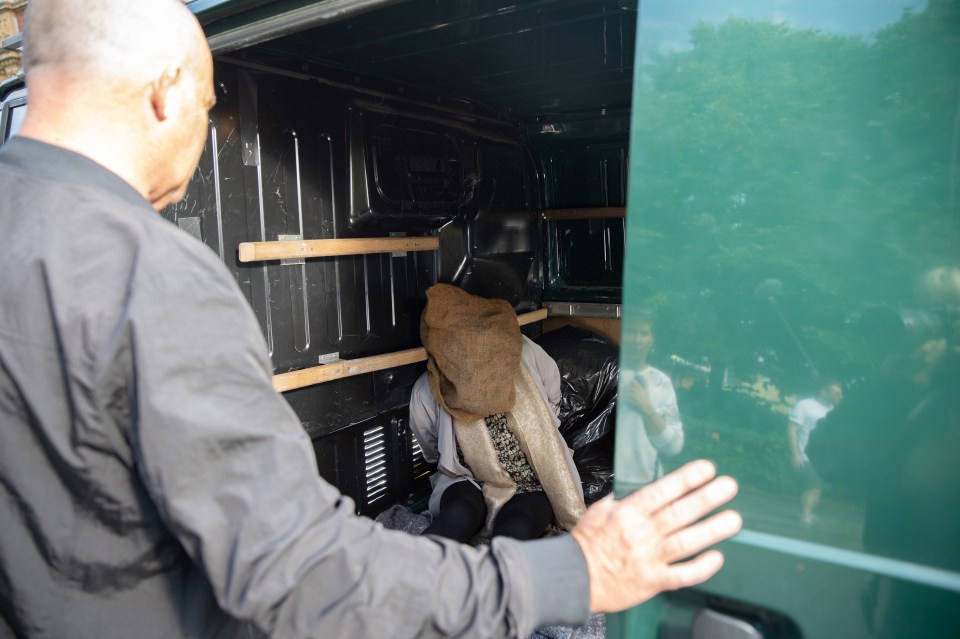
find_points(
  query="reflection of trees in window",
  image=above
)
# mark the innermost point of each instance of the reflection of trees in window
(826, 162)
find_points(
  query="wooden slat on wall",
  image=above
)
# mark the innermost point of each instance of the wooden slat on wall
(348, 368)
(295, 249)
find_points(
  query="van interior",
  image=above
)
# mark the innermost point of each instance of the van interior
(354, 161)
(795, 168)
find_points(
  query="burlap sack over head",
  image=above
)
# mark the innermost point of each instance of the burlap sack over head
(473, 349)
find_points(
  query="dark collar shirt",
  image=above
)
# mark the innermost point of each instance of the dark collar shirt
(152, 483)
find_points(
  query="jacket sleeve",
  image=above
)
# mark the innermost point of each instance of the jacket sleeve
(424, 419)
(234, 477)
(546, 369)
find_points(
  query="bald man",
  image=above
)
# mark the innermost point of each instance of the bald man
(152, 483)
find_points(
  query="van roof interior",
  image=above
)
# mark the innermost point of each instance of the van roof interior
(539, 63)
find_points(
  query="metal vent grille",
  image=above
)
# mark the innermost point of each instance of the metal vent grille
(375, 463)
(420, 467)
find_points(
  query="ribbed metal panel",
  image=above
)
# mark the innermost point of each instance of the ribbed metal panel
(375, 464)
(419, 467)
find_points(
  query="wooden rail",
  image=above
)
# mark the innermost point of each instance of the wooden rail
(583, 214)
(348, 368)
(295, 249)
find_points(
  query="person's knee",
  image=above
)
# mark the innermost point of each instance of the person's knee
(465, 496)
(524, 517)
(461, 514)
(517, 526)
(466, 508)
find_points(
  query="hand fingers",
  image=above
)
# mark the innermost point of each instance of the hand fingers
(689, 541)
(693, 572)
(692, 506)
(673, 486)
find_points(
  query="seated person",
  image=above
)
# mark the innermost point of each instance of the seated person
(486, 411)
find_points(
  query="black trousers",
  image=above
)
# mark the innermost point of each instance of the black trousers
(463, 513)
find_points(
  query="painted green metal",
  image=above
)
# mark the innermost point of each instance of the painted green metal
(793, 216)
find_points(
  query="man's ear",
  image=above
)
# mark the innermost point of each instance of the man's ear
(162, 91)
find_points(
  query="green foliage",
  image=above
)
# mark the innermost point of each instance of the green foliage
(824, 163)
(756, 451)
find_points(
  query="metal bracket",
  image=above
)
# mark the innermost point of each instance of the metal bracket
(329, 358)
(398, 253)
(293, 261)
(583, 309)
(191, 225)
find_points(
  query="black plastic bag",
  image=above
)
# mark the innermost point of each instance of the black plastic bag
(589, 371)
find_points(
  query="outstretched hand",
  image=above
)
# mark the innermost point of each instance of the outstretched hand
(640, 546)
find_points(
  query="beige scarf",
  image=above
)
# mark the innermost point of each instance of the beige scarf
(474, 369)
(531, 423)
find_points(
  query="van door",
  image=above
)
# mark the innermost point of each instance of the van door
(12, 113)
(794, 220)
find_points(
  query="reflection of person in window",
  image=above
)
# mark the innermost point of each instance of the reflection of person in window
(803, 419)
(894, 442)
(650, 392)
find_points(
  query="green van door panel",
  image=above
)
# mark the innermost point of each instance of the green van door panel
(794, 218)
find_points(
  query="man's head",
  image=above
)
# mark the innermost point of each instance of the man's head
(640, 335)
(126, 83)
(831, 392)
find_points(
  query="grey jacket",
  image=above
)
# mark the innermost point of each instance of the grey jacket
(152, 483)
